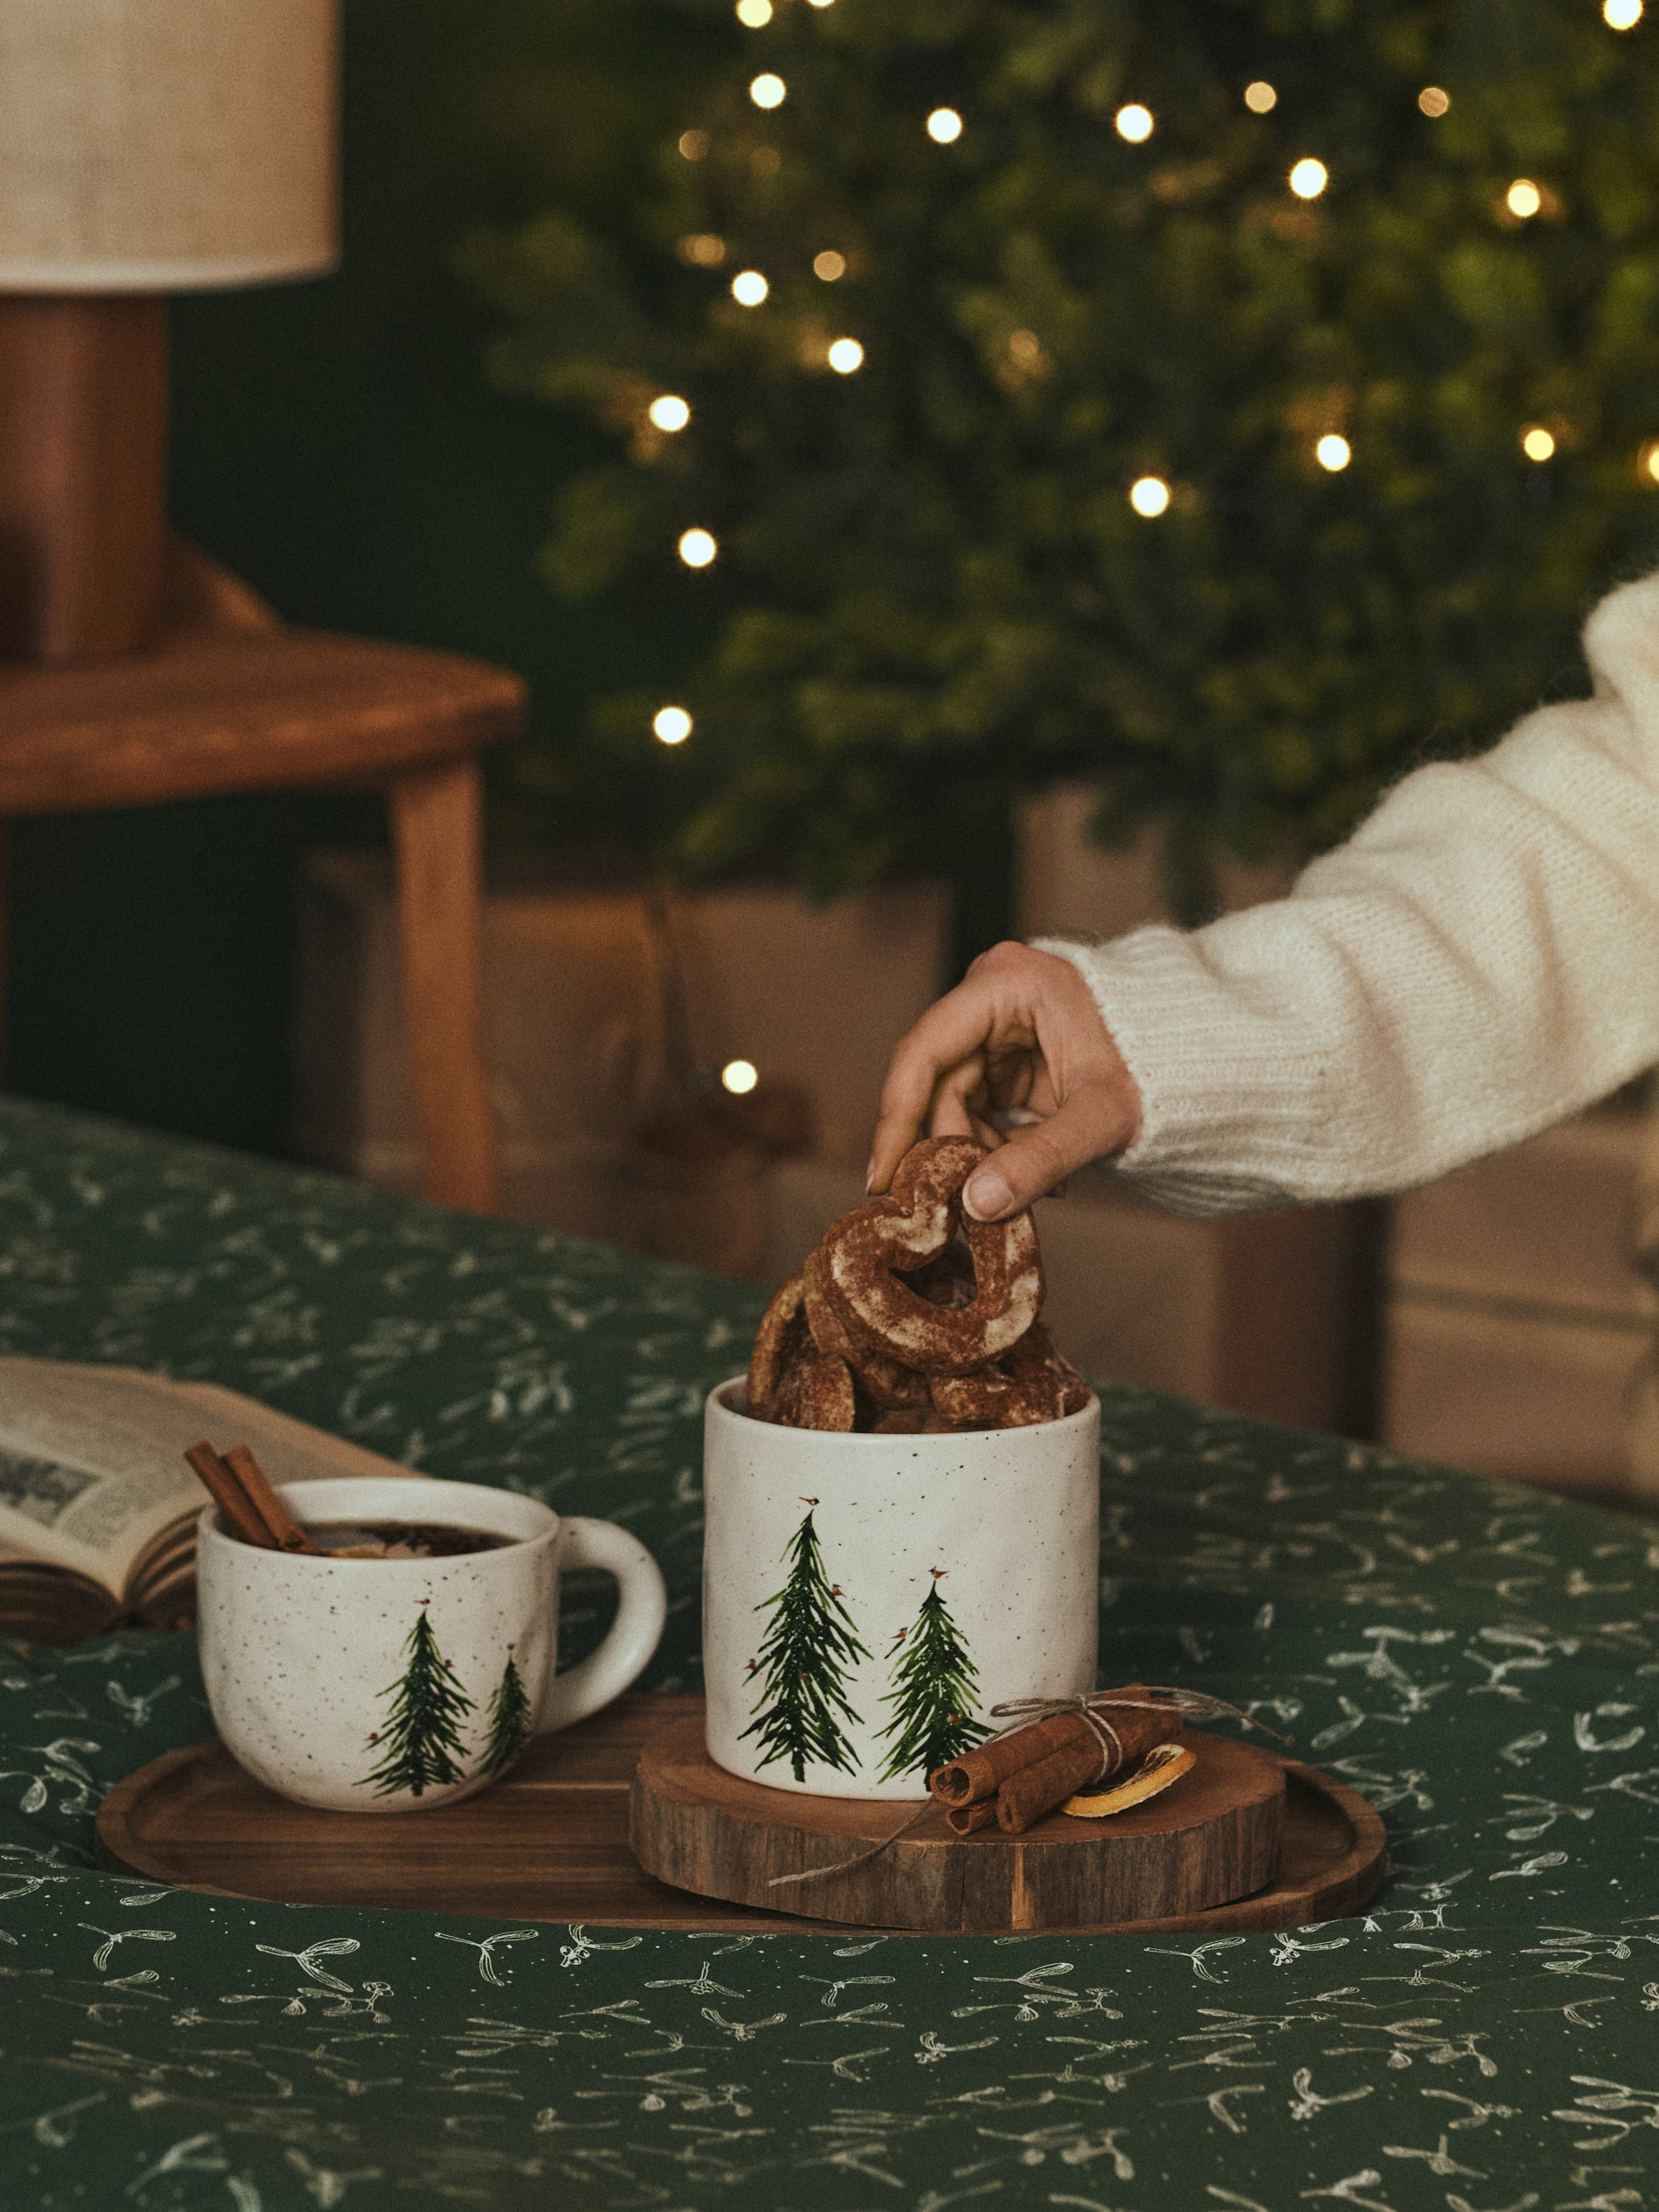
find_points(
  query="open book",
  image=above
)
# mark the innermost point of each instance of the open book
(98, 1507)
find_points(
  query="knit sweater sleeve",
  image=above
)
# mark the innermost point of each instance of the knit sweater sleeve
(1480, 959)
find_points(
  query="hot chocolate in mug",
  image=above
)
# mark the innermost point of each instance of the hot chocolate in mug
(867, 1600)
(392, 1685)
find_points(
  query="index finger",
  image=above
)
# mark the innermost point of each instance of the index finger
(955, 1028)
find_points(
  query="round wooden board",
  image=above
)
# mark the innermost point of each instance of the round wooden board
(1212, 1837)
(550, 1842)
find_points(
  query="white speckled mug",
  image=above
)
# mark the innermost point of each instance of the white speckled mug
(388, 1685)
(867, 1600)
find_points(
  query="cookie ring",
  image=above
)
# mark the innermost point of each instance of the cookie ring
(780, 1342)
(1030, 1384)
(867, 1253)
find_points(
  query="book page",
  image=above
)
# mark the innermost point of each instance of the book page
(92, 1458)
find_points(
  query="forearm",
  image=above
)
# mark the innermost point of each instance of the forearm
(1480, 959)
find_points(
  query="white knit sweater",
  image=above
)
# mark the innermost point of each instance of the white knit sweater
(1479, 960)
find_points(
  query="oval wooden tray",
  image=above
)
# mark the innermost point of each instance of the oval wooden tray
(550, 1842)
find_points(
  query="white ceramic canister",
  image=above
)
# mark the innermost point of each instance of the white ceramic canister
(857, 1590)
(389, 1685)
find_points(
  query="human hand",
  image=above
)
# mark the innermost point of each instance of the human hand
(1019, 1042)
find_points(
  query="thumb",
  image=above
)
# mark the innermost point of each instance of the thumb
(1090, 1125)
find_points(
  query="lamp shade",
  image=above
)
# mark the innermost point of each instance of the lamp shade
(165, 145)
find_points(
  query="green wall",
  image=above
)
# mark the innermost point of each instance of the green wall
(335, 443)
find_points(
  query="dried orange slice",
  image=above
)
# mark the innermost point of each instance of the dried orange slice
(1164, 1763)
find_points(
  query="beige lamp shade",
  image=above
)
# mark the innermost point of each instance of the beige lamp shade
(165, 145)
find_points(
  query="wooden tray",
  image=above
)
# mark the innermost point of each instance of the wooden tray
(550, 1842)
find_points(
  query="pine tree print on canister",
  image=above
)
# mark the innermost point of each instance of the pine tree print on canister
(934, 1694)
(802, 1663)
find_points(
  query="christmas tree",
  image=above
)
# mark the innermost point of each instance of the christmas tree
(1226, 404)
(934, 1688)
(422, 1734)
(802, 1666)
(509, 1720)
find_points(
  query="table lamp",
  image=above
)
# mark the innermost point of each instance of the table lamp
(146, 147)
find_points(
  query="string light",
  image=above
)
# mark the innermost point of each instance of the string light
(1309, 178)
(1260, 98)
(768, 91)
(669, 413)
(749, 287)
(672, 725)
(1333, 452)
(693, 145)
(739, 1077)
(1523, 198)
(1622, 14)
(1134, 123)
(1149, 495)
(703, 249)
(943, 127)
(845, 356)
(1648, 463)
(828, 265)
(1537, 442)
(820, 4)
(754, 15)
(1432, 101)
(698, 548)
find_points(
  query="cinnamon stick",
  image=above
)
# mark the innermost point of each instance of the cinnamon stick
(965, 1820)
(286, 1532)
(1131, 1732)
(227, 1495)
(979, 1773)
(1037, 1789)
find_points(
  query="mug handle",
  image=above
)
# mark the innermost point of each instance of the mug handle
(635, 1633)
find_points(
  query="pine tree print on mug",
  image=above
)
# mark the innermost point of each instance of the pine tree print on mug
(509, 1720)
(935, 1690)
(801, 1666)
(422, 1733)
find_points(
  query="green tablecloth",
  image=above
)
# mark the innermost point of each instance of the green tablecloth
(1480, 1661)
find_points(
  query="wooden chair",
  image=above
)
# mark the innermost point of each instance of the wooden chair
(226, 699)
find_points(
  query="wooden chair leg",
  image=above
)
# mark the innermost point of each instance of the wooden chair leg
(436, 817)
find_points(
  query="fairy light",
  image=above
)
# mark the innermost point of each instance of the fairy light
(1149, 495)
(1537, 442)
(698, 548)
(768, 90)
(845, 356)
(1260, 98)
(1434, 100)
(1333, 452)
(828, 266)
(754, 15)
(703, 249)
(1134, 123)
(749, 287)
(943, 127)
(1622, 14)
(739, 1077)
(672, 725)
(1523, 198)
(669, 412)
(693, 145)
(1309, 178)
